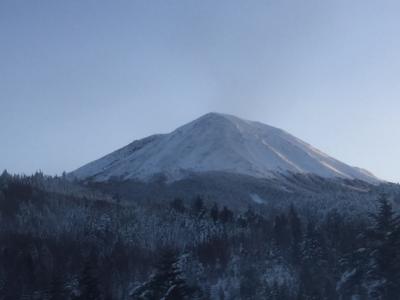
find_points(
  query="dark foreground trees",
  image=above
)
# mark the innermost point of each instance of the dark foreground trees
(385, 253)
(58, 244)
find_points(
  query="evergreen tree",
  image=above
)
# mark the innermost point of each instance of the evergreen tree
(214, 212)
(352, 280)
(385, 219)
(281, 232)
(88, 281)
(314, 271)
(166, 283)
(178, 205)
(296, 235)
(226, 215)
(4, 178)
(386, 252)
(198, 205)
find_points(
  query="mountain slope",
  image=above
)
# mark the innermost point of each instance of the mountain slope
(218, 142)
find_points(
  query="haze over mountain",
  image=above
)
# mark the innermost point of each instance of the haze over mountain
(218, 142)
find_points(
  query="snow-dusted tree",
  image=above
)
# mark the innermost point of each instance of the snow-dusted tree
(166, 283)
(314, 271)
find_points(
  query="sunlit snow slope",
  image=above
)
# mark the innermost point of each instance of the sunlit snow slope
(218, 142)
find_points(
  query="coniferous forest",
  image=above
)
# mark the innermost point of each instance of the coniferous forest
(63, 240)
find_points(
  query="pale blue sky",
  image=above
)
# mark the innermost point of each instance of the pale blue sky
(79, 78)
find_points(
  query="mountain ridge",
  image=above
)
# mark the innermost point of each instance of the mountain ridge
(218, 142)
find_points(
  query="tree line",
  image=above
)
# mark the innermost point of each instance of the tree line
(56, 244)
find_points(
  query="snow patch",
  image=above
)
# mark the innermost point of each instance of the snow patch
(257, 199)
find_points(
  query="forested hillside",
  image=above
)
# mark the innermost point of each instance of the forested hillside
(64, 240)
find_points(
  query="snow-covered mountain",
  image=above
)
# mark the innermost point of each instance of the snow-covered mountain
(222, 143)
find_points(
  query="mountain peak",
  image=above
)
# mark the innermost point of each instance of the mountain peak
(215, 116)
(218, 142)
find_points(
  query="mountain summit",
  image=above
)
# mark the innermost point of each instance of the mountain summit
(222, 143)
